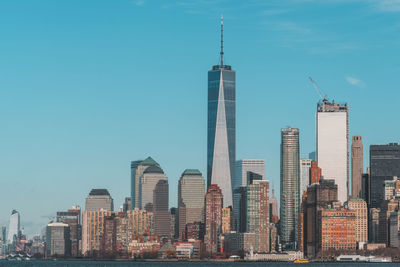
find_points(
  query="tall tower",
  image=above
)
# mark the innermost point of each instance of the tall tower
(221, 135)
(356, 166)
(213, 218)
(191, 190)
(333, 144)
(14, 227)
(290, 177)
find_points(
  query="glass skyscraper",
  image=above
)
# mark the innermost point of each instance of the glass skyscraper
(290, 176)
(221, 136)
(14, 227)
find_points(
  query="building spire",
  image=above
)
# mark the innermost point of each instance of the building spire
(222, 41)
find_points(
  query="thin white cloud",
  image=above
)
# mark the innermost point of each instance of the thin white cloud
(355, 81)
(388, 5)
(138, 2)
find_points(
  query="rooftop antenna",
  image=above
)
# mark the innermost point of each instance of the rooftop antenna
(222, 41)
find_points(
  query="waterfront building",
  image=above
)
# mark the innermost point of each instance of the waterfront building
(373, 229)
(14, 228)
(360, 207)
(4, 234)
(290, 176)
(302, 244)
(92, 229)
(148, 181)
(305, 171)
(124, 233)
(394, 234)
(247, 170)
(213, 218)
(109, 236)
(72, 219)
(356, 166)
(58, 241)
(333, 144)
(137, 169)
(99, 199)
(338, 229)
(162, 217)
(384, 164)
(315, 173)
(319, 195)
(191, 191)
(387, 207)
(141, 222)
(221, 134)
(234, 243)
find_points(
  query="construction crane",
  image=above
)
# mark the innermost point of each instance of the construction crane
(323, 98)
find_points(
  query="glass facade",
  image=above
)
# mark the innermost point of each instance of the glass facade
(290, 176)
(191, 191)
(384, 164)
(221, 136)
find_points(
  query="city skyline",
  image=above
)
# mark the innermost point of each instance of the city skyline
(62, 128)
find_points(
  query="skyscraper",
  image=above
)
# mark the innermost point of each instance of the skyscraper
(333, 143)
(148, 181)
(360, 207)
(191, 191)
(290, 176)
(305, 166)
(99, 199)
(356, 166)
(213, 216)
(92, 230)
(4, 234)
(14, 227)
(247, 170)
(72, 219)
(137, 169)
(255, 213)
(384, 164)
(58, 241)
(221, 135)
(162, 217)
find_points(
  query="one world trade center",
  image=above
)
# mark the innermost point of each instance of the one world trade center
(221, 135)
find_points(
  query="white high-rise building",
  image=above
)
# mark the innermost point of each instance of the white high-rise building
(305, 166)
(14, 227)
(333, 144)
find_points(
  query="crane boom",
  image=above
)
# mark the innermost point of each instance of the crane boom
(323, 98)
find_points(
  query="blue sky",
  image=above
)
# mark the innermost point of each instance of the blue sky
(88, 86)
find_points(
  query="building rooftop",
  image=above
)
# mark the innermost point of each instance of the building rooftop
(58, 224)
(149, 161)
(99, 192)
(191, 172)
(153, 169)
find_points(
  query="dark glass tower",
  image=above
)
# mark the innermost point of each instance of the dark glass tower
(384, 164)
(221, 136)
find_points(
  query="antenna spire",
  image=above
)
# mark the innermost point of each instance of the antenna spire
(222, 40)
